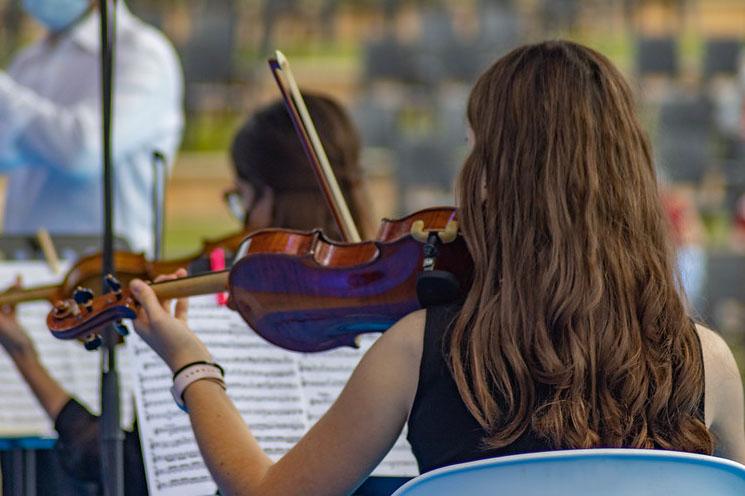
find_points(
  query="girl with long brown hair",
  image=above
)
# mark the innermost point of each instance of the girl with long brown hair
(274, 184)
(574, 333)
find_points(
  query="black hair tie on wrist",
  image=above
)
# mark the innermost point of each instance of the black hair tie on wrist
(199, 362)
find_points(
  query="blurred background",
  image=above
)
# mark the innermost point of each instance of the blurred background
(404, 69)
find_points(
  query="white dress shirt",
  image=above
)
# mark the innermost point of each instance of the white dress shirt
(50, 129)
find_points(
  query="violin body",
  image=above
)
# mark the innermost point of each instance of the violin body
(300, 290)
(305, 293)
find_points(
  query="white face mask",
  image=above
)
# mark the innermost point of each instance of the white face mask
(56, 15)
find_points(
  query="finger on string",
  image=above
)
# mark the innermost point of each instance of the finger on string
(165, 277)
(179, 273)
(10, 309)
(7, 309)
(145, 295)
(165, 304)
(182, 304)
(182, 309)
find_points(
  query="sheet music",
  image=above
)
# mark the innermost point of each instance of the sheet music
(263, 381)
(68, 362)
(172, 460)
(279, 393)
(323, 377)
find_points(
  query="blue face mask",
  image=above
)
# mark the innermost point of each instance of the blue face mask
(56, 15)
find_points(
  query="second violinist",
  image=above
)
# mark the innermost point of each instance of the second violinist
(273, 186)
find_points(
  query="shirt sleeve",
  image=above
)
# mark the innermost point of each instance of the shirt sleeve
(147, 87)
(78, 448)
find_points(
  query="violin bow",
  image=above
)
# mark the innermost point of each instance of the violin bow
(313, 147)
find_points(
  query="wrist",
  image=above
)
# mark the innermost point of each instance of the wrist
(29, 366)
(23, 354)
(178, 362)
(195, 372)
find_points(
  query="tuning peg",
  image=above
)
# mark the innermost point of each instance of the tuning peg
(120, 328)
(113, 285)
(92, 342)
(83, 296)
(63, 309)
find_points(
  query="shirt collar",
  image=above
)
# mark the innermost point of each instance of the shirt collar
(87, 33)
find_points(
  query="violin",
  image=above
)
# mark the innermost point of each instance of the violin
(300, 290)
(86, 272)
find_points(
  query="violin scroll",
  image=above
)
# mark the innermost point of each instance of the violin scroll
(83, 315)
(70, 319)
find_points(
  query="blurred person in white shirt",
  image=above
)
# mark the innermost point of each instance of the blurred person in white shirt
(50, 123)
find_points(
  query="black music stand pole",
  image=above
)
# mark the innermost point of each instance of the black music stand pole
(112, 438)
(159, 199)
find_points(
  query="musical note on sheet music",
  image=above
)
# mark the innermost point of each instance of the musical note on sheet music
(76, 369)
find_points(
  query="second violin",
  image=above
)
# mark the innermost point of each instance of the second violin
(86, 272)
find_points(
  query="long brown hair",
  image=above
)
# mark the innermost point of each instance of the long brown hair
(574, 327)
(266, 151)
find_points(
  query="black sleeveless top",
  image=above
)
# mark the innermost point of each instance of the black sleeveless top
(441, 430)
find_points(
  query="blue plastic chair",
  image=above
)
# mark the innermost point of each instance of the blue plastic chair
(603, 472)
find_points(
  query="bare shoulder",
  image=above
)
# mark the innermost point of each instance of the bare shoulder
(719, 363)
(406, 335)
(389, 370)
(723, 388)
(725, 413)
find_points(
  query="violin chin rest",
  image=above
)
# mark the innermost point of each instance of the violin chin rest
(436, 287)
